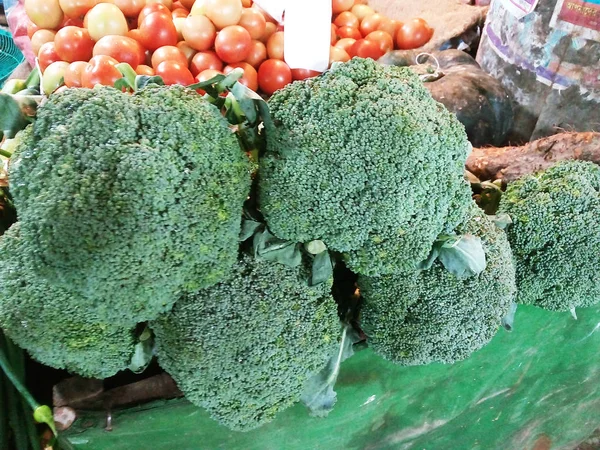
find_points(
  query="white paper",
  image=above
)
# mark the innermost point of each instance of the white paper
(307, 36)
(274, 8)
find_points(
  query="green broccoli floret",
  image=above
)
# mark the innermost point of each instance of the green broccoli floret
(432, 316)
(364, 159)
(52, 324)
(243, 349)
(127, 200)
(555, 235)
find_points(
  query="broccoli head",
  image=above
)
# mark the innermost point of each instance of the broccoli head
(127, 200)
(52, 324)
(555, 235)
(244, 348)
(364, 159)
(429, 316)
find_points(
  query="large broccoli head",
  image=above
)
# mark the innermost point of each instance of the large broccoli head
(127, 200)
(555, 235)
(244, 348)
(432, 316)
(364, 159)
(56, 327)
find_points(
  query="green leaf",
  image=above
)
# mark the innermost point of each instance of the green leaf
(509, 319)
(502, 220)
(12, 119)
(34, 79)
(247, 101)
(463, 256)
(209, 85)
(426, 264)
(229, 80)
(271, 248)
(123, 85)
(142, 355)
(141, 81)
(318, 394)
(249, 228)
(322, 269)
(315, 247)
(128, 74)
(43, 414)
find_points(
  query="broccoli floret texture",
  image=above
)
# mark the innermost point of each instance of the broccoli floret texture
(126, 200)
(431, 316)
(364, 159)
(555, 235)
(51, 323)
(244, 348)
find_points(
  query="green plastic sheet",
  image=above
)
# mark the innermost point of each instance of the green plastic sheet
(535, 387)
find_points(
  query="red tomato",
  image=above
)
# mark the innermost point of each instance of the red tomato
(337, 54)
(47, 55)
(346, 19)
(180, 12)
(376, 22)
(246, 3)
(168, 53)
(257, 54)
(73, 22)
(233, 43)
(207, 75)
(73, 44)
(273, 74)
(254, 22)
(74, 72)
(365, 49)
(76, 8)
(337, 6)
(44, 13)
(187, 4)
(303, 74)
(100, 70)
(31, 29)
(250, 77)
(275, 46)
(413, 34)
(122, 48)
(345, 43)
(131, 8)
(40, 37)
(199, 32)
(167, 3)
(158, 30)
(143, 69)
(383, 39)
(270, 28)
(397, 24)
(174, 73)
(151, 8)
(349, 32)
(334, 37)
(205, 60)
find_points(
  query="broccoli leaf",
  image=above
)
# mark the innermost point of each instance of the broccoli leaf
(141, 81)
(12, 119)
(509, 319)
(249, 228)
(143, 352)
(319, 396)
(502, 220)
(271, 248)
(322, 269)
(463, 256)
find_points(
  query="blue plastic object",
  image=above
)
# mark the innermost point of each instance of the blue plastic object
(10, 56)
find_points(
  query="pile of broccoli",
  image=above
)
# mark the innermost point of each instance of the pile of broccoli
(555, 235)
(365, 160)
(130, 211)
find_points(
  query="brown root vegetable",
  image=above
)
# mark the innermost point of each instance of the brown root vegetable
(511, 163)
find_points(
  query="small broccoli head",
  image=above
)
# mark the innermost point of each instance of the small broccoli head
(364, 159)
(555, 235)
(57, 328)
(431, 316)
(128, 200)
(244, 348)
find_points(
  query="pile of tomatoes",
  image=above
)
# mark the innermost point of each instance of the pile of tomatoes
(186, 41)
